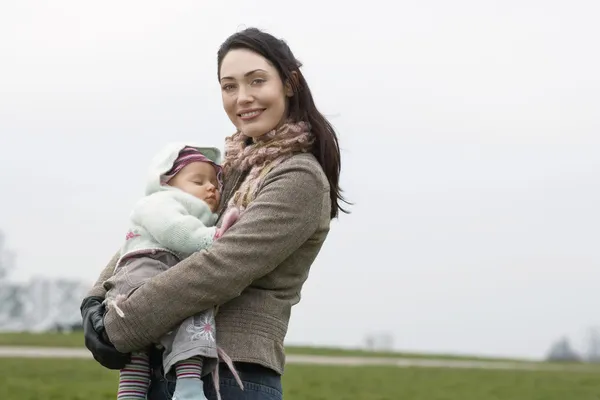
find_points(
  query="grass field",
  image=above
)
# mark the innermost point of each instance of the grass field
(75, 339)
(44, 379)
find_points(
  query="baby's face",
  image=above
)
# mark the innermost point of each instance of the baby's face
(200, 180)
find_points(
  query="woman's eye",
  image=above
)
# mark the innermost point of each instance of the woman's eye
(258, 81)
(228, 87)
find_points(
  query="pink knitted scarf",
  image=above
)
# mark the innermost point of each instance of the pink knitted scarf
(267, 151)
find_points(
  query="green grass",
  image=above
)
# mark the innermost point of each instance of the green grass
(75, 339)
(60, 379)
(325, 351)
(31, 379)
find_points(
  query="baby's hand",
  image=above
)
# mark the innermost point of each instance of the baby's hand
(231, 216)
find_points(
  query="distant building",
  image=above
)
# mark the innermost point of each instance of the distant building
(380, 341)
(41, 305)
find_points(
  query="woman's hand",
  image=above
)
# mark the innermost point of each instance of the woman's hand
(96, 340)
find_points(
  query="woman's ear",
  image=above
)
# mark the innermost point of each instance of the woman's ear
(291, 83)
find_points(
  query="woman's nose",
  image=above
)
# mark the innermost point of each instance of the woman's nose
(244, 96)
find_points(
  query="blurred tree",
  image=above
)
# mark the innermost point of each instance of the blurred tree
(562, 350)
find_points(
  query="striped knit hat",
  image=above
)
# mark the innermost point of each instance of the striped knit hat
(187, 156)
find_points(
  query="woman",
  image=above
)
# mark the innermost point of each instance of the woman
(282, 170)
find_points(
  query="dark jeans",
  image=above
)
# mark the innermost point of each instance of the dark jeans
(260, 383)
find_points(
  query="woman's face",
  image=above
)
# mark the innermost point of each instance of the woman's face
(254, 97)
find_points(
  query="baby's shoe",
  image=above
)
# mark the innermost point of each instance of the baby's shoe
(189, 389)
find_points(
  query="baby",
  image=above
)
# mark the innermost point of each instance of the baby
(175, 219)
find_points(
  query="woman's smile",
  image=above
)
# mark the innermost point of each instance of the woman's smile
(250, 114)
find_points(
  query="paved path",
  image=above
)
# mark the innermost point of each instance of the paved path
(60, 352)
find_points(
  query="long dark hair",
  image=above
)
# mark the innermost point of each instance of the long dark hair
(301, 105)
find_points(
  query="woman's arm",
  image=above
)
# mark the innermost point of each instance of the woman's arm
(285, 213)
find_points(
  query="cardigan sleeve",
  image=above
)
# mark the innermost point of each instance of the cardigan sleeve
(285, 213)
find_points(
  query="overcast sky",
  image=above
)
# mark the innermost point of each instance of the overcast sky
(471, 147)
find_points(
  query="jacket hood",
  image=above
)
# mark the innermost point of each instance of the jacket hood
(163, 161)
